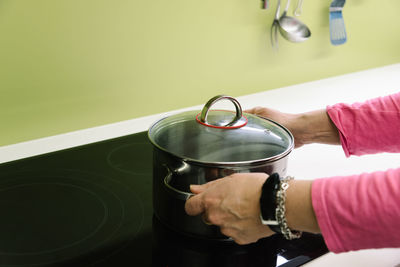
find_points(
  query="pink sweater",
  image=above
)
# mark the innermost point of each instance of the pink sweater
(362, 211)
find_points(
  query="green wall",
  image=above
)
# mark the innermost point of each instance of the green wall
(73, 64)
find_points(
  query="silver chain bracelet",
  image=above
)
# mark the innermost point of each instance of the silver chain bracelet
(281, 210)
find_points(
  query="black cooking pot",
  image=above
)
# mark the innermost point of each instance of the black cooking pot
(197, 147)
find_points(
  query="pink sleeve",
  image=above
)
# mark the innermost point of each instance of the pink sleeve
(362, 211)
(369, 127)
(358, 212)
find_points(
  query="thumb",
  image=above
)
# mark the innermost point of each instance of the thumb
(194, 205)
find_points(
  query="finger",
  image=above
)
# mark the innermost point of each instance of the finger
(243, 238)
(242, 241)
(251, 111)
(213, 215)
(229, 232)
(194, 205)
(197, 188)
(255, 110)
(205, 219)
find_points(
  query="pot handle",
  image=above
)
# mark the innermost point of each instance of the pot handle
(182, 195)
(212, 101)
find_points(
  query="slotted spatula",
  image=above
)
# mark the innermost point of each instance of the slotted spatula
(336, 22)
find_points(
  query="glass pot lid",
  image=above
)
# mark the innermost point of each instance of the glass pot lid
(221, 136)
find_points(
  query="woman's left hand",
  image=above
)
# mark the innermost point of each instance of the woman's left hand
(233, 204)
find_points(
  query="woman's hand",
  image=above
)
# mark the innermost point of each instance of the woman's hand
(233, 204)
(290, 121)
(309, 127)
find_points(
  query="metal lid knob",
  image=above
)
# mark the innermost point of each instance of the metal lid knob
(237, 121)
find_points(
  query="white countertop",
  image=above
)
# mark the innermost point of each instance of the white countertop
(308, 162)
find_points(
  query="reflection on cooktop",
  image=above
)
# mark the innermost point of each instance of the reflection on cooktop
(124, 158)
(173, 249)
(66, 213)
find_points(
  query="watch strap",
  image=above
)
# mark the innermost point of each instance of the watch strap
(268, 202)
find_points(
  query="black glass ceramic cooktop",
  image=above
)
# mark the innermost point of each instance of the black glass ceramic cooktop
(92, 206)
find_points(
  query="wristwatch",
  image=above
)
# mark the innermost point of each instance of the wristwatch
(268, 202)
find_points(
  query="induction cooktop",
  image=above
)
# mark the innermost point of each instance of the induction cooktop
(92, 206)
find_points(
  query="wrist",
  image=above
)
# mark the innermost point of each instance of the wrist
(315, 127)
(300, 214)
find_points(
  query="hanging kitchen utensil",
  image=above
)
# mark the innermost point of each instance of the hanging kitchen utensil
(298, 9)
(275, 26)
(264, 4)
(337, 29)
(293, 29)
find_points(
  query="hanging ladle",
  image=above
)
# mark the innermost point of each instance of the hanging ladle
(293, 29)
